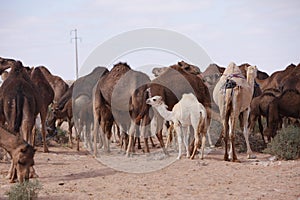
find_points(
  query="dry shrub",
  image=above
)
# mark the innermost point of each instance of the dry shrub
(286, 144)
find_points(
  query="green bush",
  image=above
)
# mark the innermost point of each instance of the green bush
(28, 190)
(286, 144)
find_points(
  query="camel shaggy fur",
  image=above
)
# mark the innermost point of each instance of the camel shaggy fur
(233, 95)
(187, 112)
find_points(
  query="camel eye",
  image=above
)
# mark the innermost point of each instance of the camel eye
(154, 99)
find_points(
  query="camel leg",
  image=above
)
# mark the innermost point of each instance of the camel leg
(250, 154)
(185, 133)
(131, 135)
(70, 133)
(152, 143)
(225, 136)
(231, 140)
(43, 116)
(196, 143)
(146, 133)
(203, 145)
(10, 171)
(33, 174)
(179, 136)
(95, 134)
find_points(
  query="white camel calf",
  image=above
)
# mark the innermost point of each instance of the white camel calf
(188, 111)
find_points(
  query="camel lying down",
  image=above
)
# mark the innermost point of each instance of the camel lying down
(188, 111)
(22, 156)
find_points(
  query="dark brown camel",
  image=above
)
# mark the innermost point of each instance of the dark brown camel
(286, 105)
(37, 95)
(291, 81)
(45, 98)
(22, 155)
(64, 114)
(121, 94)
(260, 107)
(275, 79)
(58, 85)
(175, 82)
(18, 103)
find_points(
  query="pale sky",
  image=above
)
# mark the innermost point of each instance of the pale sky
(262, 33)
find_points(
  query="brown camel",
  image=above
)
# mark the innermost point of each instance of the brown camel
(58, 85)
(120, 94)
(186, 66)
(21, 153)
(45, 98)
(291, 81)
(18, 102)
(175, 82)
(233, 95)
(286, 105)
(276, 78)
(33, 93)
(260, 107)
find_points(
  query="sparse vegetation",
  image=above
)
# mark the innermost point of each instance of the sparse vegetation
(28, 190)
(286, 144)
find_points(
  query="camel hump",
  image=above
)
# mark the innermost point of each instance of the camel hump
(190, 96)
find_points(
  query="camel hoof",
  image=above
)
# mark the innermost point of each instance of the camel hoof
(34, 175)
(212, 146)
(236, 160)
(251, 156)
(8, 176)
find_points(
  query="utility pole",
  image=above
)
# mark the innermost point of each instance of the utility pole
(76, 51)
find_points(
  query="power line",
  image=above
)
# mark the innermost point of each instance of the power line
(76, 50)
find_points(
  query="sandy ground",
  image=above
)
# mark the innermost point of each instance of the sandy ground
(67, 174)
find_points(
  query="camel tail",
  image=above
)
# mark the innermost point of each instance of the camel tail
(19, 110)
(202, 124)
(228, 103)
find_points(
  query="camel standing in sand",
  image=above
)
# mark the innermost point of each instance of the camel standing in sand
(233, 95)
(22, 155)
(58, 85)
(188, 111)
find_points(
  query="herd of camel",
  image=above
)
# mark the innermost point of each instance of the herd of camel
(130, 100)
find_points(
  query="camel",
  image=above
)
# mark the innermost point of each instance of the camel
(286, 105)
(33, 93)
(22, 155)
(233, 94)
(70, 105)
(187, 112)
(120, 94)
(45, 98)
(274, 81)
(18, 103)
(186, 66)
(260, 107)
(175, 82)
(58, 85)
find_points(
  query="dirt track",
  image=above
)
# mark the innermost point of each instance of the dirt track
(67, 174)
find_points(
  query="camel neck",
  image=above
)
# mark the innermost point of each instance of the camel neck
(250, 80)
(162, 110)
(8, 141)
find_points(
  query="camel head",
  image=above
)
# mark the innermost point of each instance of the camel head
(251, 72)
(155, 101)
(23, 161)
(5, 64)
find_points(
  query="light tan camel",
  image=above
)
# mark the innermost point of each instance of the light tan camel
(233, 95)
